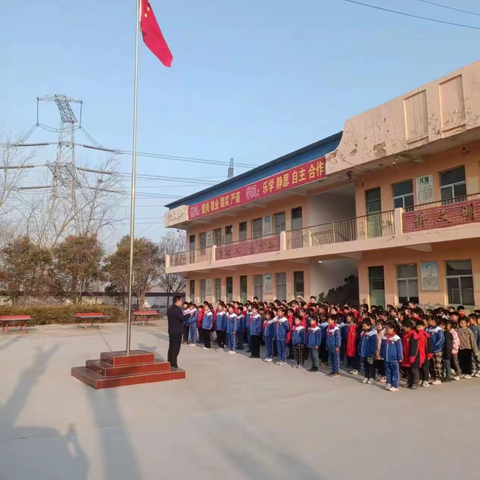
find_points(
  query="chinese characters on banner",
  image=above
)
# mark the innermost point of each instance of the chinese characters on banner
(301, 175)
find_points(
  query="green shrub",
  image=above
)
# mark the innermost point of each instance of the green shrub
(48, 315)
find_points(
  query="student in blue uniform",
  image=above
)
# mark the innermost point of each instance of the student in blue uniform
(255, 331)
(248, 319)
(298, 342)
(268, 335)
(323, 353)
(313, 342)
(232, 325)
(334, 342)
(192, 325)
(391, 351)
(368, 349)
(240, 327)
(281, 330)
(221, 324)
(207, 325)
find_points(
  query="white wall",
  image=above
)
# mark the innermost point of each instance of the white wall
(338, 204)
(331, 274)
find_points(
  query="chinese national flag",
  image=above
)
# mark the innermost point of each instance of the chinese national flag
(152, 35)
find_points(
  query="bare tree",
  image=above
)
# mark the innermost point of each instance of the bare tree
(171, 243)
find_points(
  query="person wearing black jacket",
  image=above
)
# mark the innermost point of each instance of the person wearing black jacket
(447, 351)
(176, 320)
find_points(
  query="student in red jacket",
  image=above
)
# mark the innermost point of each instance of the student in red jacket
(352, 330)
(411, 355)
(425, 350)
(201, 312)
(291, 324)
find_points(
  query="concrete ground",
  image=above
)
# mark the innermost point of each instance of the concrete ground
(232, 418)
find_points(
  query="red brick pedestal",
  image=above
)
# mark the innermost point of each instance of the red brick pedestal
(117, 369)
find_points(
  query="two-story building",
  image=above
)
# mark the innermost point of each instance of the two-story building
(394, 199)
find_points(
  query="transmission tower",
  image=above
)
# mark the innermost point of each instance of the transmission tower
(63, 169)
(231, 172)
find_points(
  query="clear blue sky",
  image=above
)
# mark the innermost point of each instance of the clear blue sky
(252, 79)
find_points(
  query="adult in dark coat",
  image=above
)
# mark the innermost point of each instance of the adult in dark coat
(176, 320)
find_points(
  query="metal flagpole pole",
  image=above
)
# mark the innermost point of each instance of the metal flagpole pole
(134, 177)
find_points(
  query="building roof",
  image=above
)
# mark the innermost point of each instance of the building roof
(303, 155)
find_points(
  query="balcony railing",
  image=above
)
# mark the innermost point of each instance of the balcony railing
(267, 243)
(358, 228)
(190, 257)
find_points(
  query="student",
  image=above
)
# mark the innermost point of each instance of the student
(473, 317)
(281, 331)
(255, 330)
(468, 345)
(291, 324)
(231, 329)
(353, 339)
(207, 324)
(268, 335)
(455, 347)
(411, 356)
(391, 351)
(248, 321)
(334, 342)
(221, 324)
(447, 351)
(379, 363)
(313, 341)
(323, 353)
(201, 313)
(240, 327)
(192, 325)
(298, 342)
(438, 340)
(368, 348)
(187, 312)
(425, 352)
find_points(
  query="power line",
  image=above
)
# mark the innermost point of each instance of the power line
(449, 8)
(411, 15)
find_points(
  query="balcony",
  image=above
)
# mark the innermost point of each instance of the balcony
(416, 227)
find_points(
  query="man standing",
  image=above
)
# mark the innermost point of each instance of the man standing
(176, 320)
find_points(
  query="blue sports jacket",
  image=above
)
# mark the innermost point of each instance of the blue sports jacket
(438, 338)
(232, 323)
(298, 335)
(207, 321)
(256, 325)
(193, 317)
(269, 328)
(248, 316)
(368, 343)
(323, 331)
(241, 322)
(391, 349)
(314, 337)
(281, 328)
(221, 321)
(334, 338)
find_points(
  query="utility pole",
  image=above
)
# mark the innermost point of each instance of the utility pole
(231, 172)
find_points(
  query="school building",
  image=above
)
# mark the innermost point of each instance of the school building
(393, 199)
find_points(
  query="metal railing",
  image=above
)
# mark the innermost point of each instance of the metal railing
(191, 256)
(359, 228)
(263, 244)
(443, 203)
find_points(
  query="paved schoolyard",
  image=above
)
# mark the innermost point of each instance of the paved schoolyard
(233, 418)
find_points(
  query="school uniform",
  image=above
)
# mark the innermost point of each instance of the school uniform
(438, 339)
(426, 353)
(298, 342)
(291, 324)
(192, 326)
(312, 342)
(187, 312)
(411, 358)
(391, 350)
(268, 336)
(447, 355)
(221, 326)
(281, 331)
(201, 313)
(368, 349)
(255, 330)
(232, 326)
(344, 335)
(334, 342)
(207, 325)
(241, 331)
(323, 353)
(475, 359)
(248, 320)
(353, 339)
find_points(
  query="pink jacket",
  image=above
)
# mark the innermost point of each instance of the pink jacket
(456, 341)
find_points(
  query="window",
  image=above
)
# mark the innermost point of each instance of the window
(203, 290)
(217, 237)
(279, 222)
(202, 240)
(243, 288)
(407, 282)
(192, 242)
(298, 284)
(281, 286)
(218, 289)
(258, 286)
(229, 292)
(192, 290)
(403, 194)
(191, 246)
(377, 285)
(374, 201)
(460, 282)
(228, 234)
(453, 187)
(257, 228)
(242, 231)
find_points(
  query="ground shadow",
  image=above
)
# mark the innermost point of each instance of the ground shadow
(8, 343)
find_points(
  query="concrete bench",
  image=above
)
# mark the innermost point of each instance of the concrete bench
(90, 317)
(16, 320)
(145, 315)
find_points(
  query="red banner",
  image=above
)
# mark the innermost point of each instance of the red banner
(301, 175)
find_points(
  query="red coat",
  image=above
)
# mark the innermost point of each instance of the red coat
(291, 323)
(352, 340)
(410, 349)
(424, 346)
(200, 318)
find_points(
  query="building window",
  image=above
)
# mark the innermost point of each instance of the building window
(298, 284)
(242, 231)
(279, 222)
(203, 290)
(258, 286)
(192, 290)
(257, 228)
(218, 289)
(191, 246)
(453, 187)
(373, 201)
(229, 289)
(217, 237)
(243, 288)
(281, 286)
(202, 240)
(403, 194)
(228, 234)
(460, 282)
(407, 281)
(376, 278)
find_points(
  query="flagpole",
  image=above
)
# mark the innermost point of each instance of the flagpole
(134, 177)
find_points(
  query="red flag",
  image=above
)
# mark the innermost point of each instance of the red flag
(152, 35)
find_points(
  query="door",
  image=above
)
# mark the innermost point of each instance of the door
(377, 285)
(203, 290)
(229, 288)
(374, 212)
(243, 289)
(257, 228)
(191, 245)
(297, 225)
(279, 222)
(217, 237)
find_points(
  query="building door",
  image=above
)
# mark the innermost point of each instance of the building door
(279, 222)
(191, 245)
(218, 289)
(242, 231)
(217, 237)
(192, 291)
(297, 225)
(228, 234)
(202, 240)
(203, 290)
(299, 284)
(374, 213)
(281, 286)
(258, 286)
(377, 285)
(257, 228)
(229, 289)
(243, 289)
